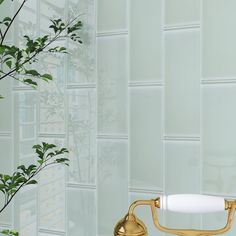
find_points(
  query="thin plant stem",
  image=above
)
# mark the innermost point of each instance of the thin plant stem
(12, 20)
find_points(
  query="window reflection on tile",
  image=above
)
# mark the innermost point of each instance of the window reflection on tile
(82, 135)
(7, 9)
(25, 122)
(25, 214)
(26, 21)
(52, 97)
(112, 85)
(81, 60)
(81, 212)
(6, 106)
(112, 175)
(49, 10)
(219, 134)
(52, 193)
(146, 135)
(6, 167)
(182, 167)
(144, 212)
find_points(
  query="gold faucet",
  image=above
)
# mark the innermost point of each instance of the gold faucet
(130, 225)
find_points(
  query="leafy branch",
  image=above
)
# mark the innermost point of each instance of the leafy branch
(47, 155)
(14, 60)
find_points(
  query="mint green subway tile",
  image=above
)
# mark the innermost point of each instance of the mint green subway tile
(146, 138)
(81, 212)
(146, 40)
(182, 12)
(112, 185)
(182, 90)
(182, 167)
(218, 135)
(218, 39)
(111, 15)
(112, 85)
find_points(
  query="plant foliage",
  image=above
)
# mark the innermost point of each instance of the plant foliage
(18, 63)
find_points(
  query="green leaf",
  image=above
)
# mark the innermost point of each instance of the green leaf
(1, 1)
(40, 162)
(46, 77)
(32, 182)
(9, 64)
(5, 231)
(1, 97)
(32, 72)
(30, 82)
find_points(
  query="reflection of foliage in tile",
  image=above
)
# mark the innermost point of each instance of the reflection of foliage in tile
(52, 97)
(107, 94)
(26, 104)
(109, 158)
(81, 121)
(51, 191)
(81, 60)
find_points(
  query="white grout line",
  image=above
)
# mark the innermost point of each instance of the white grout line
(218, 80)
(145, 190)
(81, 186)
(181, 26)
(112, 136)
(182, 138)
(48, 135)
(81, 86)
(48, 231)
(112, 33)
(5, 134)
(145, 84)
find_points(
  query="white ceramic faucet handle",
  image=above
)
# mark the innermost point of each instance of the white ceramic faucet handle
(192, 203)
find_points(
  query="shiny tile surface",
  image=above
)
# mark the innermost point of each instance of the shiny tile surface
(112, 85)
(146, 44)
(182, 88)
(146, 146)
(219, 133)
(112, 183)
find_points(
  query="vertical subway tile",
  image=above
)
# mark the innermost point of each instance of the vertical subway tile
(25, 211)
(25, 125)
(182, 11)
(146, 44)
(112, 85)
(6, 106)
(52, 193)
(146, 146)
(81, 212)
(218, 39)
(111, 15)
(82, 135)
(112, 183)
(52, 96)
(182, 106)
(182, 174)
(82, 58)
(6, 167)
(219, 134)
